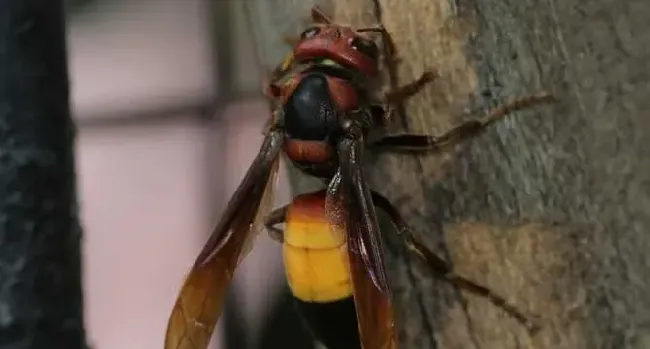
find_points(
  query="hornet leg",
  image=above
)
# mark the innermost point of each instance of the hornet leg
(390, 49)
(401, 93)
(469, 129)
(277, 216)
(442, 269)
(398, 95)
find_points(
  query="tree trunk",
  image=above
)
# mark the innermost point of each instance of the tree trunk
(549, 208)
(40, 259)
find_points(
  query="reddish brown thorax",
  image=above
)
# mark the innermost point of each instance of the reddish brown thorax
(351, 50)
(318, 153)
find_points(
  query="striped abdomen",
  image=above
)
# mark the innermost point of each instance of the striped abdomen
(318, 273)
(315, 256)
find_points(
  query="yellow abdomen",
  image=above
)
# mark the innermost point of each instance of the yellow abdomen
(315, 256)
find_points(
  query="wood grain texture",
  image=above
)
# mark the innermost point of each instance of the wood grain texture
(549, 208)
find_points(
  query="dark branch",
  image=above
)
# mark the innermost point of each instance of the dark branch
(40, 262)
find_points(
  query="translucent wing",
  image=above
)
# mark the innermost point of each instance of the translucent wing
(199, 303)
(335, 204)
(361, 211)
(350, 208)
(374, 308)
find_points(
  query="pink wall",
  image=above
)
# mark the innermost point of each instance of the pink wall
(143, 195)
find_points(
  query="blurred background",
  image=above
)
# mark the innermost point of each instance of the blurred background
(166, 96)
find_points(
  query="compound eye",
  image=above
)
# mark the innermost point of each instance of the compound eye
(366, 47)
(309, 33)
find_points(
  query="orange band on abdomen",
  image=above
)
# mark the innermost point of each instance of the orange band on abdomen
(315, 256)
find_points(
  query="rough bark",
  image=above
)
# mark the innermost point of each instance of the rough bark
(549, 208)
(40, 259)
